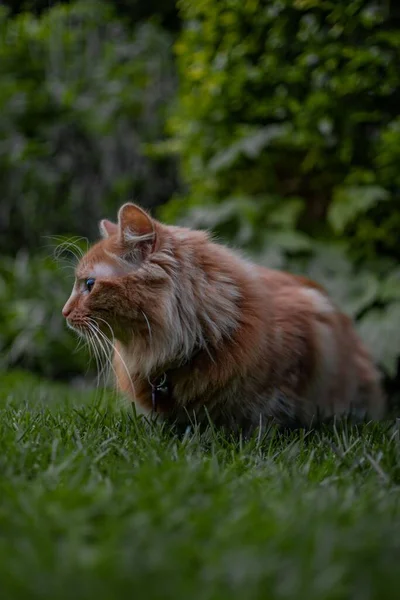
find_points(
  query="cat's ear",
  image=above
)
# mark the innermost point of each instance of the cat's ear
(107, 228)
(135, 225)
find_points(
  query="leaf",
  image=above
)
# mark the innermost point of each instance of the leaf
(289, 241)
(249, 146)
(380, 330)
(349, 202)
(287, 213)
(361, 291)
(390, 288)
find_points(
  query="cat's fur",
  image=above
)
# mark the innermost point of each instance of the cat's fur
(239, 344)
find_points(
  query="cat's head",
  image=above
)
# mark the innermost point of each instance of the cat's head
(162, 291)
(116, 278)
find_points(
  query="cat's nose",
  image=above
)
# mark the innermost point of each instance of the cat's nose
(66, 311)
(69, 305)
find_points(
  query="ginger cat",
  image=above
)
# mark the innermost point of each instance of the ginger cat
(200, 333)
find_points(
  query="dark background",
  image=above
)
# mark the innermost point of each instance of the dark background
(274, 123)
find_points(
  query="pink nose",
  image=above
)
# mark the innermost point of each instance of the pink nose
(66, 311)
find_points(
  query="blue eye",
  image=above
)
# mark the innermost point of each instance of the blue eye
(89, 283)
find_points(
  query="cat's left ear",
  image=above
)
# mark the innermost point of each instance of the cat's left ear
(136, 226)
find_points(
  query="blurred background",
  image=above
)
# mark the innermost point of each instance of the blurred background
(275, 123)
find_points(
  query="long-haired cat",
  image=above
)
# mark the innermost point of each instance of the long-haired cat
(200, 333)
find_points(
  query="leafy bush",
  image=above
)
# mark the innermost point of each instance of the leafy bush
(296, 100)
(133, 10)
(33, 334)
(288, 130)
(80, 101)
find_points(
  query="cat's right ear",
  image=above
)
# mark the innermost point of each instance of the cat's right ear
(135, 225)
(107, 228)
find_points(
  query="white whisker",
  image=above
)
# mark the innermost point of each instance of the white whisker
(148, 327)
(94, 352)
(112, 347)
(69, 245)
(101, 350)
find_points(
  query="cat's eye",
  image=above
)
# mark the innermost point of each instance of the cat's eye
(89, 283)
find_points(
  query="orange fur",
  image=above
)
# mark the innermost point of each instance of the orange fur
(240, 342)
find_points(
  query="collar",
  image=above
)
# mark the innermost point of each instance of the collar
(160, 389)
(161, 386)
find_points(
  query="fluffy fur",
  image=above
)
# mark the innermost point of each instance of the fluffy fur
(239, 343)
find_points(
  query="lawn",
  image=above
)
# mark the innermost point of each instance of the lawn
(95, 503)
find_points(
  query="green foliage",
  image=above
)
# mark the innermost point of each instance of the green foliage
(288, 130)
(81, 98)
(294, 99)
(348, 203)
(133, 11)
(96, 503)
(380, 328)
(33, 333)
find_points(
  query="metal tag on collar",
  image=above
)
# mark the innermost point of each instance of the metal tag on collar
(159, 388)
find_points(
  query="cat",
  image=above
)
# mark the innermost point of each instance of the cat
(201, 334)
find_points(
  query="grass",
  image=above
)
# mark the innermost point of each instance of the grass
(95, 503)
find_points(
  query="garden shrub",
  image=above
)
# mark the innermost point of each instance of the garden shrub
(81, 100)
(293, 99)
(133, 11)
(33, 333)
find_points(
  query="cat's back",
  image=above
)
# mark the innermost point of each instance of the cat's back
(312, 336)
(277, 281)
